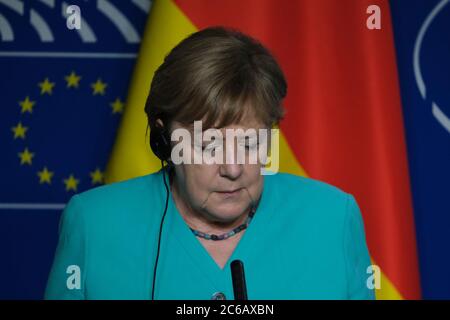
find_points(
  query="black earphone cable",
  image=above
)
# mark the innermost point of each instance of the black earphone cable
(160, 230)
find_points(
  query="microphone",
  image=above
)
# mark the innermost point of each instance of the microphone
(238, 278)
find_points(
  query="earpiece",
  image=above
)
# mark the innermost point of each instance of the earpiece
(160, 143)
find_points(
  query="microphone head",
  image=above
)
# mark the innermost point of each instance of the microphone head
(236, 265)
(238, 278)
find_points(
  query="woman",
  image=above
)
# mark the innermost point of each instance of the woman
(173, 234)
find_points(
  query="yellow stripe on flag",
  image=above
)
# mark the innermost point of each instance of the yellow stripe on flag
(387, 290)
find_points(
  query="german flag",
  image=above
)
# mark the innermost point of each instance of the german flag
(343, 123)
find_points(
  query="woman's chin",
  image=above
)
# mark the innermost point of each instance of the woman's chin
(228, 212)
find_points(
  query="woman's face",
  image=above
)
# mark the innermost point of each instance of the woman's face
(221, 192)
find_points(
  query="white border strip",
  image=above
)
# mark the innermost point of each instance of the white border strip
(32, 206)
(144, 5)
(14, 5)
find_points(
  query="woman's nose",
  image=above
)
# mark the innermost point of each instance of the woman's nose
(231, 171)
(232, 166)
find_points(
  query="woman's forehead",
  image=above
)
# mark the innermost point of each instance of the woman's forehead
(244, 124)
(247, 120)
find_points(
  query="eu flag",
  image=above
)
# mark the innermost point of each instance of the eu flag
(63, 92)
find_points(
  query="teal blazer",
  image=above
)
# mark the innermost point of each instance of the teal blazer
(306, 241)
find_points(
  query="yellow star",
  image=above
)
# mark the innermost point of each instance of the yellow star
(117, 106)
(46, 86)
(45, 176)
(19, 131)
(72, 80)
(27, 105)
(97, 176)
(71, 183)
(98, 87)
(26, 157)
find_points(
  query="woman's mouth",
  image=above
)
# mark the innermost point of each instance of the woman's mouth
(229, 193)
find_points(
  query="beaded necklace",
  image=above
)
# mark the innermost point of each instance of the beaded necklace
(226, 235)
